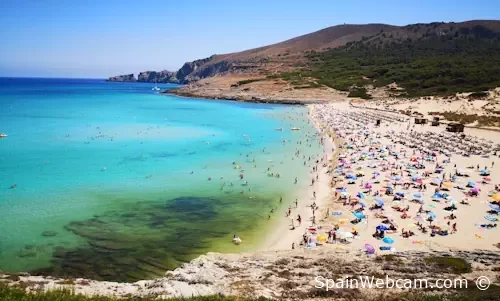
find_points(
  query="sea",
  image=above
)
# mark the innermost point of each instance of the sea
(115, 181)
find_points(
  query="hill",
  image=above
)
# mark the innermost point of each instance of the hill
(422, 59)
(289, 52)
(425, 59)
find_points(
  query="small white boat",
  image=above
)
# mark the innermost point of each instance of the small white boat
(295, 129)
(3, 135)
(155, 88)
(279, 129)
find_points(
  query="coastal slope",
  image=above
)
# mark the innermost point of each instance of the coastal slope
(288, 275)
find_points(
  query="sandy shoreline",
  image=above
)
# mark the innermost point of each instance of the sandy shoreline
(282, 237)
(225, 273)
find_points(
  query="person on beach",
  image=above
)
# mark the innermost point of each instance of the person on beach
(299, 219)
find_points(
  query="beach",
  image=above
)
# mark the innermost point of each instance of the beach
(372, 158)
(288, 231)
(475, 221)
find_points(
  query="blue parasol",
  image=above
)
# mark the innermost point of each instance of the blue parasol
(388, 240)
(494, 207)
(359, 215)
(382, 228)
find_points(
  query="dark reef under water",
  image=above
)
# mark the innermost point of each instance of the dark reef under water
(144, 239)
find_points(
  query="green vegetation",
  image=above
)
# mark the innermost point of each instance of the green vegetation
(450, 264)
(478, 94)
(470, 118)
(19, 294)
(423, 59)
(359, 92)
(469, 294)
(248, 81)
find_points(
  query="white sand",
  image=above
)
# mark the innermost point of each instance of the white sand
(469, 235)
(283, 236)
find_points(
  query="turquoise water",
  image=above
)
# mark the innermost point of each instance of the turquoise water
(112, 179)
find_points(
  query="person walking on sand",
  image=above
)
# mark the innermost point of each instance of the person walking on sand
(299, 219)
(314, 194)
(296, 203)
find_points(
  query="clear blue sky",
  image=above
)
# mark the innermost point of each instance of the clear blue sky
(99, 38)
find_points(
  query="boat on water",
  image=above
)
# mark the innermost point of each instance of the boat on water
(279, 129)
(3, 135)
(295, 129)
(155, 88)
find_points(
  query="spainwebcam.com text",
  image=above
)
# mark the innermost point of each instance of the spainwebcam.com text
(370, 282)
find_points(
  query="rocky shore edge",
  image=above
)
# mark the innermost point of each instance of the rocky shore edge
(243, 98)
(286, 274)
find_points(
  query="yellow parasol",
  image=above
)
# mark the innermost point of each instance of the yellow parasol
(322, 238)
(448, 185)
(496, 197)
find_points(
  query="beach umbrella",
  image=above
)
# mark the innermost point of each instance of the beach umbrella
(388, 240)
(448, 185)
(486, 179)
(496, 197)
(382, 227)
(368, 185)
(484, 172)
(379, 202)
(417, 195)
(360, 195)
(369, 249)
(359, 215)
(400, 194)
(431, 215)
(362, 204)
(436, 181)
(494, 207)
(471, 184)
(322, 238)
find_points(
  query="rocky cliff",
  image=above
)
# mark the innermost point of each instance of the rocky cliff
(164, 76)
(122, 78)
(293, 275)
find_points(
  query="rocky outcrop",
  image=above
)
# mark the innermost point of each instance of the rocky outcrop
(122, 78)
(196, 70)
(289, 275)
(164, 76)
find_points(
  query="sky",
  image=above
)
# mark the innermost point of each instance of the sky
(99, 38)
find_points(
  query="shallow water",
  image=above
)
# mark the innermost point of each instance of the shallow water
(112, 179)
